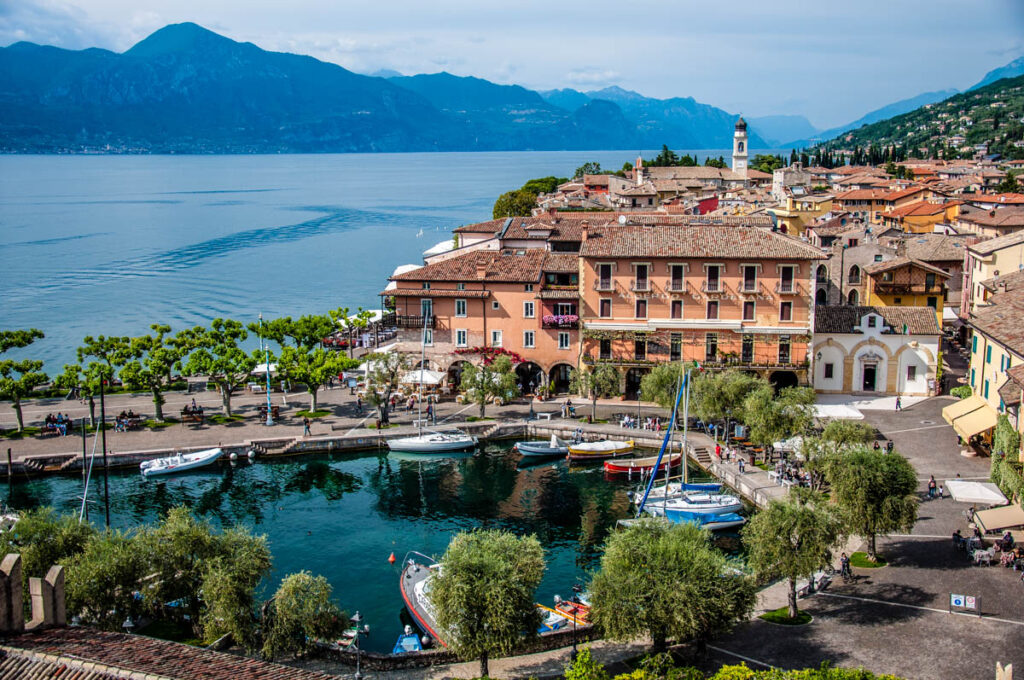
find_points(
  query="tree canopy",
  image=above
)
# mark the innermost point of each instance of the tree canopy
(666, 581)
(772, 417)
(484, 593)
(599, 382)
(661, 384)
(215, 353)
(720, 395)
(154, 358)
(300, 613)
(489, 380)
(588, 168)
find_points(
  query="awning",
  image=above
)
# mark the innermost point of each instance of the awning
(976, 421)
(838, 411)
(261, 369)
(423, 376)
(997, 519)
(962, 408)
(980, 493)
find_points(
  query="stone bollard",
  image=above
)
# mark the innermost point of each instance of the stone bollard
(12, 613)
(48, 607)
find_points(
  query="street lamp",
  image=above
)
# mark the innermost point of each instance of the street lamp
(576, 590)
(266, 358)
(365, 630)
(638, 421)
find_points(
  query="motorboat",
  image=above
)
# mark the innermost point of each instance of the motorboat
(677, 489)
(554, 447)
(551, 620)
(694, 503)
(408, 642)
(179, 462)
(600, 450)
(434, 442)
(573, 609)
(641, 466)
(415, 586)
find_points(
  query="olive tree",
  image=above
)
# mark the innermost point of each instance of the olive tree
(875, 492)
(792, 539)
(483, 595)
(384, 375)
(772, 417)
(102, 581)
(300, 612)
(721, 395)
(664, 581)
(489, 380)
(599, 382)
(661, 384)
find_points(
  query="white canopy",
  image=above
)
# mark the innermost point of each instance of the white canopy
(261, 369)
(837, 411)
(980, 493)
(791, 444)
(423, 376)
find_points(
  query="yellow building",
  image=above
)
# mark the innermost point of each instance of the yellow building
(988, 260)
(797, 212)
(904, 282)
(920, 217)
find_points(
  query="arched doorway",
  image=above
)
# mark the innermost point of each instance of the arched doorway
(853, 298)
(783, 379)
(455, 373)
(558, 378)
(821, 297)
(633, 378)
(822, 274)
(530, 376)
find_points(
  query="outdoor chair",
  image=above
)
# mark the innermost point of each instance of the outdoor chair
(985, 556)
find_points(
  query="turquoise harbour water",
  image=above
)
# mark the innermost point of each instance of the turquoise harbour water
(342, 515)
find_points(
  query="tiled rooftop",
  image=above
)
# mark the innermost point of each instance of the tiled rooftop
(993, 244)
(879, 267)
(696, 241)
(935, 248)
(843, 319)
(497, 267)
(1001, 320)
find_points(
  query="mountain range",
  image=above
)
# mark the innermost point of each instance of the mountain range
(185, 89)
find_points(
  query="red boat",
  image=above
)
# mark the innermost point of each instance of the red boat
(574, 610)
(632, 466)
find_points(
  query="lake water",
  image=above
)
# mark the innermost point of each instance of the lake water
(108, 245)
(342, 515)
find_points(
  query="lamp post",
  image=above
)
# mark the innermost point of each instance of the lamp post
(360, 631)
(266, 357)
(639, 424)
(576, 590)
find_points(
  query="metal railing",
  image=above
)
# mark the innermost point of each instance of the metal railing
(712, 287)
(604, 286)
(785, 288)
(408, 321)
(640, 285)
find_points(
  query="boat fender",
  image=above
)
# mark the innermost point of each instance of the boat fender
(234, 456)
(252, 454)
(391, 558)
(408, 629)
(426, 641)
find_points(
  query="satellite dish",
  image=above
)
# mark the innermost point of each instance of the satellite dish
(622, 220)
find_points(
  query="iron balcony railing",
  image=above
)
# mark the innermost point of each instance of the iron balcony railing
(407, 321)
(640, 285)
(604, 285)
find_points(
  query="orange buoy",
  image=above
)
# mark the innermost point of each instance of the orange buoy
(391, 558)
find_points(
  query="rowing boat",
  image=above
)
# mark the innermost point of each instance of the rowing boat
(600, 450)
(640, 465)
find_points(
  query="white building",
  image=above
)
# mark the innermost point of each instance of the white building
(875, 350)
(785, 178)
(739, 148)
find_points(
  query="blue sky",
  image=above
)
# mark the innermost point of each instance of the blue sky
(827, 60)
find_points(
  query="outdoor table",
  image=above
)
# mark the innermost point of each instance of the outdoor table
(788, 483)
(773, 476)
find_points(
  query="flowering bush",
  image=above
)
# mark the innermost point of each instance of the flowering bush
(561, 319)
(489, 354)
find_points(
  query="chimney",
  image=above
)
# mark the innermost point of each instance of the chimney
(992, 213)
(481, 269)
(585, 227)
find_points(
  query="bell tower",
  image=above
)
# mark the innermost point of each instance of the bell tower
(739, 148)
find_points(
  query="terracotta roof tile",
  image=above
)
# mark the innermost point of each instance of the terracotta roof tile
(496, 266)
(843, 319)
(699, 241)
(992, 245)
(1008, 216)
(935, 248)
(435, 293)
(562, 263)
(879, 267)
(1005, 282)
(1001, 320)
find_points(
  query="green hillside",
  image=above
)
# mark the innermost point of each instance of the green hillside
(992, 114)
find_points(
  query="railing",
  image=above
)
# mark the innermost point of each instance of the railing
(749, 288)
(676, 286)
(785, 288)
(406, 321)
(600, 285)
(712, 287)
(388, 319)
(563, 324)
(640, 285)
(907, 288)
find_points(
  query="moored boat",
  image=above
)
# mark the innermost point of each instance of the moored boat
(415, 586)
(574, 610)
(694, 503)
(640, 465)
(434, 442)
(553, 447)
(179, 462)
(600, 450)
(408, 642)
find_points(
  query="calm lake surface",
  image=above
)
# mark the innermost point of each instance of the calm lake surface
(108, 245)
(342, 515)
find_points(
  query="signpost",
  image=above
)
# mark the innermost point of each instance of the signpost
(964, 603)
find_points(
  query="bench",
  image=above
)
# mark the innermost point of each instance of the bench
(192, 417)
(546, 415)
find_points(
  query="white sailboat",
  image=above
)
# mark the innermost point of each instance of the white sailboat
(431, 441)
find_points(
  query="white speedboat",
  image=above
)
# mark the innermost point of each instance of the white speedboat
(179, 462)
(434, 442)
(694, 503)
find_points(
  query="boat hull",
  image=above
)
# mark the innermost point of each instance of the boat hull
(184, 463)
(600, 450)
(540, 449)
(427, 444)
(411, 575)
(640, 465)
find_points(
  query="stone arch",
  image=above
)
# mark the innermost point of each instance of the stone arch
(922, 360)
(853, 298)
(821, 297)
(530, 376)
(558, 378)
(829, 352)
(854, 275)
(870, 369)
(783, 379)
(822, 274)
(633, 378)
(455, 372)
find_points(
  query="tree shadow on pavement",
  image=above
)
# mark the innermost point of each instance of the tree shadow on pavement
(837, 604)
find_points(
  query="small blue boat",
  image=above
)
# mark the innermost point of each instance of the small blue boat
(408, 642)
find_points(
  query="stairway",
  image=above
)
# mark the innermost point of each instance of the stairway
(702, 455)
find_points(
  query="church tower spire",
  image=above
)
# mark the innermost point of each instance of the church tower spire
(739, 148)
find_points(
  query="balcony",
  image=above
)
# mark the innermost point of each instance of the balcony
(891, 288)
(640, 285)
(750, 287)
(558, 292)
(712, 287)
(786, 287)
(604, 286)
(560, 321)
(678, 286)
(406, 321)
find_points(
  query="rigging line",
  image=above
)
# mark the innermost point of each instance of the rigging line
(88, 477)
(664, 443)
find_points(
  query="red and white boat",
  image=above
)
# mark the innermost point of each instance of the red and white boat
(631, 466)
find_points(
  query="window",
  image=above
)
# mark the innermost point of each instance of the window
(461, 338)
(605, 349)
(641, 308)
(565, 308)
(676, 284)
(786, 311)
(749, 278)
(911, 373)
(887, 276)
(675, 347)
(528, 288)
(528, 339)
(988, 354)
(748, 310)
(563, 341)
(784, 347)
(495, 338)
(604, 277)
(986, 389)
(428, 336)
(933, 302)
(495, 305)
(854, 274)
(712, 309)
(640, 350)
(852, 243)
(714, 280)
(830, 371)
(676, 309)
(929, 281)
(822, 275)
(853, 297)
(426, 286)
(460, 286)
(642, 282)
(974, 344)
(426, 307)
(460, 308)
(878, 258)
(872, 321)
(972, 377)
(747, 349)
(605, 308)
(786, 284)
(711, 347)
(528, 309)
(897, 301)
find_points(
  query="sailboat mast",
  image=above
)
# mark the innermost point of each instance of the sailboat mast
(423, 360)
(686, 424)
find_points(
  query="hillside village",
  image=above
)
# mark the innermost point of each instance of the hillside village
(855, 279)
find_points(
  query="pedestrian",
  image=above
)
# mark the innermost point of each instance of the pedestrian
(899, 404)
(742, 465)
(718, 451)
(876, 446)
(430, 411)
(305, 427)
(889, 445)
(932, 487)
(359, 404)
(941, 492)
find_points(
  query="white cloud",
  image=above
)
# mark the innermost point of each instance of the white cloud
(589, 77)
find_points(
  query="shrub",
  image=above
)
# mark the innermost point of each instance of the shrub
(962, 391)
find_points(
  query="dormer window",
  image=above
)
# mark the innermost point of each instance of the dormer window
(872, 321)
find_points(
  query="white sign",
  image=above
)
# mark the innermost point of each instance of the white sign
(972, 603)
(957, 600)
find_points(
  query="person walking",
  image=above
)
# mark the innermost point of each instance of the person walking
(359, 404)
(899, 404)
(305, 427)
(932, 486)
